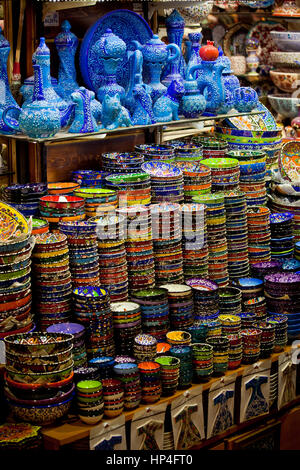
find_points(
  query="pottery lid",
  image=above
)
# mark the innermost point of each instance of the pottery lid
(3, 41)
(65, 37)
(110, 45)
(175, 20)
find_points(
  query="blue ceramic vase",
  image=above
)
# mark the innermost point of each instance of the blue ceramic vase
(245, 99)
(193, 103)
(66, 45)
(110, 50)
(175, 29)
(194, 59)
(40, 118)
(84, 120)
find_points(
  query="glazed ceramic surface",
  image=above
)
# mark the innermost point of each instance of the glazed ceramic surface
(84, 120)
(175, 30)
(286, 59)
(289, 161)
(285, 105)
(285, 81)
(286, 40)
(262, 32)
(66, 44)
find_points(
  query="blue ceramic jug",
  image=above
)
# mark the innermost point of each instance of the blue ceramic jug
(175, 30)
(194, 59)
(193, 103)
(210, 84)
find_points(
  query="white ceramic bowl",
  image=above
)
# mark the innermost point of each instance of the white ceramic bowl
(286, 59)
(287, 40)
(286, 81)
(285, 105)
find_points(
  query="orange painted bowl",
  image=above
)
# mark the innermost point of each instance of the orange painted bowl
(62, 188)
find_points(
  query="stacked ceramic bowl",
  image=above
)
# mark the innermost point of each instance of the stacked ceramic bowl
(139, 247)
(169, 373)
(281, 330)
(25, 197)
(267, 342)
(189, 152)
(162, 153)
(282, 296)
(194, 240)
(105, 366)
(260, 270)
(251, 338)
(150, 381)
(77, 331)
(198, 331)
(214, 327)
(297, 251)
(39, 376)
(220, 345)
(203, 365)
(129, 375)
(86, 373)
(212, 147)
(248, 319)
(225, 173)
(251, 288)
(52, 279)
(237, 234)
(167, 246)
(89, 178)
(66, 189)
(282, 239)
(132, 188)
(20, 436)
(144, 348)
(127, 325)
(122, 162)
(196, 178)
(178, 338)
(39, 226)
(166, 182)
(216, 236)
(112, 256)
(181, 305)
(92, 309)
(113, 397)
(206, 298)
(90, 406)
(256, 305)
(57, 209)
(231, 324)
(98, 201)
(155, 311)
(259, 234)
(83, 252)
(162, 349)
(230, 300)
(235, 351)
(184, 354)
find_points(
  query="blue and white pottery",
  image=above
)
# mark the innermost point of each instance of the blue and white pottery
(210, 83)
(193, 103)
(175, 30)
(194, 59)
(66, 44)
(245, 99)
(166, 107)
(84, 120)
(285, 105)
(114, 114)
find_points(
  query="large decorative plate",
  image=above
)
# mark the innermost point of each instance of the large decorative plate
(161, 169)
(257, 122)
(13, 224)
(289, 161)
(234, 40)
(261, 31)
(126, 24)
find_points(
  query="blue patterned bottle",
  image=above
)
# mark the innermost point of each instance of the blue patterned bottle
(195, 59)
(66, 44)
(175, 30)
(6, 98)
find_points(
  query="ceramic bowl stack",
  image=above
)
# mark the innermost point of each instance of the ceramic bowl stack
(52, 279)
(250, 287)
(235, 351)
(90, 405)
(216, 237)
(231, 324)
(214, 327)
(112, 256)
(98, 201)
(282, 296)
(230, 300)
(196, 178)
(39, 376)
(267, 342)
(251, 338)
(189, 152)
(225, 173)
(257, 305)
(66, 189)
(194, 242)
(203, 365)
(260, 270)
(127, 325)
(57, 209)
(259, 234)
(132, 188)
(129, 375)
(139, 247)
(181, 305)
(220, 345)
(167, 246)
(77, 331)
(39, 226)
(89, 178)
(83, 252)
(20, 436)
(25, 197)
(166, 182)
(150, 381)
(113, 397)
(122, 162)
(212, 147)
(15, 269)
(162, 349)
(144, 348)
(281, 330)
(237, 234)
(198, 331)
(105, 366)
(163, 153)
(282, 239)
(206, 298)
(178, 338)
(184, 354)
(169, 373)
(155, 311)
(291, 265)
(86, 373)
(91, 307)
(248, 319)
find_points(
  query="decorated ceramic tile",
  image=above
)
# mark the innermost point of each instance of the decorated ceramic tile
(109, 435)
(255, 390)
(221, 406)
(147, 428)
(287, 371)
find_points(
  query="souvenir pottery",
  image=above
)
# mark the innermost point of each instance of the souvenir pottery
(166, 106)
(194, 59)
(114, 114)
(175, 29)
(156, 54)
(245, 99)
(20, 436)
(285, 81)
(38, 119)
(193, 103)
(287, 8)
(84, 121)
(212, 89)
(230, 81)
(287, 40)
(66, 44)
(252, 60)
(110, 50)
(238, 64)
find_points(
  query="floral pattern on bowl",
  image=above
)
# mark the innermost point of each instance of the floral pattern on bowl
(285, 81)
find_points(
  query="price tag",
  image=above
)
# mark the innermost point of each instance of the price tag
(52, 19)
